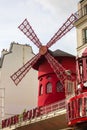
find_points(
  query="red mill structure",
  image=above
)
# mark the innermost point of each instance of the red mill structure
(59, 89)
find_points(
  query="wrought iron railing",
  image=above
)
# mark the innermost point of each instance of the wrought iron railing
(53, 107)
(81, 12)
(77, 109)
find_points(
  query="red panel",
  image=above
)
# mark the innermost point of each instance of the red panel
(44, 68)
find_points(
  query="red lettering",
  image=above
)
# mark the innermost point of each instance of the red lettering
(3, 123)
(10, 121)
(38, 112)
(26, 116)
(34, 112)
(29, 114)
(16, 119)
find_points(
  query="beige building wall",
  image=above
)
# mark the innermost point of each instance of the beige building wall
(24, 95)
(81, 24)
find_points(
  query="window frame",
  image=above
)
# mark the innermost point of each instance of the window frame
(41, 90)
(49, 88)
(85, 9)
(59, 89)
(84, 35)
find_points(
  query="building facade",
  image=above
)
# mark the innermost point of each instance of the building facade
(81, 27)
(17, 98)
(53, 116)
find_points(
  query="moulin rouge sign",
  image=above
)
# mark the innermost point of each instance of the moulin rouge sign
(27, 115)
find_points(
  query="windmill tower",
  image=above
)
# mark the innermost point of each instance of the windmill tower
(49, 68)
(50, 88)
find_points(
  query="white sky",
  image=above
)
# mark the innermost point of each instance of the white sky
(45, 16)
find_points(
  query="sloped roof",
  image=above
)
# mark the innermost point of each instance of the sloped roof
(56, 53)
(10, 51)
(61, 53)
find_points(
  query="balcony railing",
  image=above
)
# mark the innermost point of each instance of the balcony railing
(82, 12)
(77, 109)
(53, 107)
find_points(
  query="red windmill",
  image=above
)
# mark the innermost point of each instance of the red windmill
(58, 69)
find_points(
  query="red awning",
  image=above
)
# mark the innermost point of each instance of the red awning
(84, 52)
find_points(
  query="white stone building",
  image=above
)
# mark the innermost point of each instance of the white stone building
(24, 95)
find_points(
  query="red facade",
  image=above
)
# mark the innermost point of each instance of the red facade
(50, 88)
(77, 105)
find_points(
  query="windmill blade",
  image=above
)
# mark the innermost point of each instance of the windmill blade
(18, 76)
(67, 26)
(29, 32)
(57, 68)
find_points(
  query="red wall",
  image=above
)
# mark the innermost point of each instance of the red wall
(46, 71)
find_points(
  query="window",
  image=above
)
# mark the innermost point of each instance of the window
(48, 77)
(41, 79)
(85, 107)
(59, 87)
(41, 89)
(85, 36)
(85, 99)
(85, 32)
(80, 106)
(85, 9)
(69, 111)
(70, 86)
(71, 107)
(49, 88)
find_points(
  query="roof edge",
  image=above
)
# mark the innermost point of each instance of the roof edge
(10, 51)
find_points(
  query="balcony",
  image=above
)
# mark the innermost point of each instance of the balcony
(82, 12)
(77, 109)
(81, 15)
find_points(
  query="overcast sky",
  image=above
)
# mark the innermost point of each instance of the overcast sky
(45, 16)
